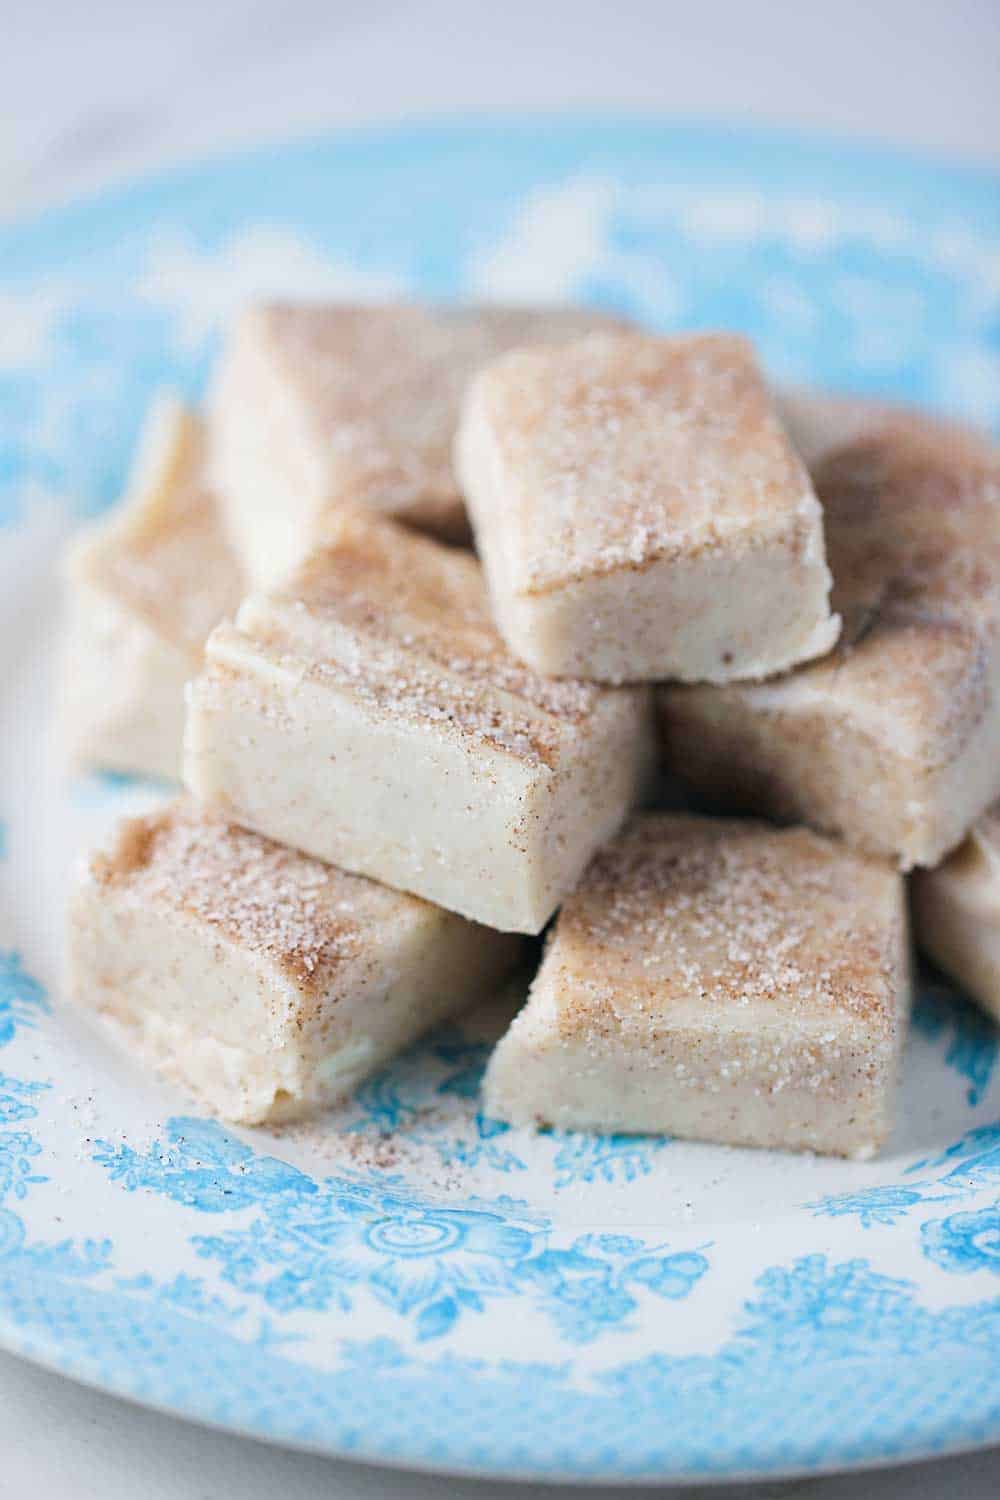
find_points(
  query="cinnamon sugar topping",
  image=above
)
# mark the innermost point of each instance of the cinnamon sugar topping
(299, 913)
(623, 450)
(404, 623)
(728, 914)
(382, 386)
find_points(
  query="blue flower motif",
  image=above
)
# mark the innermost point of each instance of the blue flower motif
(591, 1286)
(15, 1094)
(483, 1149)
(17, 1148)
(875, 1205)
(840, 1309)
(21, 996)
(604, 1158)
(313, 1245)
(205, 1168)
(964, 1242)
(975, 1038)
(973, 1161)
(409, 1099)
(381, 1105)
(438, 1261)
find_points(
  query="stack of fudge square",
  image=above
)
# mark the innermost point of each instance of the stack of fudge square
(428, 611)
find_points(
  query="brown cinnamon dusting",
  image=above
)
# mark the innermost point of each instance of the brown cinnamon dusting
(380, 387)
(306, 916)
(912, 522)
(619, 451)
(404, 622)
(727, 914)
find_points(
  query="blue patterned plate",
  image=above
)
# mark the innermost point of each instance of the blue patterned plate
(411, 1281)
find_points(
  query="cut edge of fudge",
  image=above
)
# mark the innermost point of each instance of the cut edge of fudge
(956, 912)
(295, 1002)
(136, 614)
(657, 1008)
(892, 742)
(477, 784)
(650, 551)
(797, 754)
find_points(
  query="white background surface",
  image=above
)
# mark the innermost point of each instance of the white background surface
(100, 90)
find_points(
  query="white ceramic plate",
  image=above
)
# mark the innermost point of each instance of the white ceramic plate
(408, 1280)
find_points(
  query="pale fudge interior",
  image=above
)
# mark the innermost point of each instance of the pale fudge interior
(368, 712)
(376, 726)
(144, 588)
(718, 980)
(320, 406)
(956, 910)
(269, 982)
(893, 741)
(641, 512)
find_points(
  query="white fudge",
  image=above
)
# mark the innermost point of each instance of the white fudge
(269, 983)
(722, 981)
(641, 513)
(892, 742)
(956, 912)
(367, 712)
(315, 405)
(145, 586)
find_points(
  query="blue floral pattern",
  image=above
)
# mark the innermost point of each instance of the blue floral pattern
(609, 1158)
(964, 1242)
(409, 1101)
(401, 1099)
(972, 1162)
(21, 997)
(319, 1244)
(973, 1037)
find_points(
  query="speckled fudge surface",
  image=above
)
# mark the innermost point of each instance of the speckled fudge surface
(368, 712)
(266, 981)
(315, 405)
(641, 512)
(720, 980)
(893, 741)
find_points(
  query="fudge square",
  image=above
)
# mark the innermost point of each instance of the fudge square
(367, 712)
(893, 741)
(320, 404)
(956, 912)
(269, 983)
(723, 981)
(145, 586)
(641, 513)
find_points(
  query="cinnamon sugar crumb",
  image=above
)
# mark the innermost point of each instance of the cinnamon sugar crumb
(405, 624)
(380, 389)
(303, 915)
(620, 451)
(729, 915)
